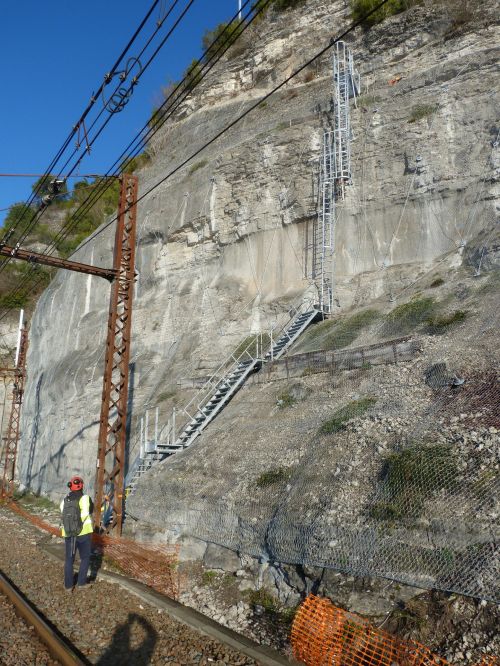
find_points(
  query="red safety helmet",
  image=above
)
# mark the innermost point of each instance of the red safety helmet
(76, 483)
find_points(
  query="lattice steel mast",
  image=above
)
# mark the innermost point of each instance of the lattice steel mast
(112, 431)
(113, 423)
(334, 174)
(12, 438)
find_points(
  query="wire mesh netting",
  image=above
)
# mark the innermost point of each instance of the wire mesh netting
(373, 448)
(376, 450)
(379, 459)
(323, 635)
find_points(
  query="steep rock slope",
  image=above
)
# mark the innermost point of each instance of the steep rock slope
(221, 247)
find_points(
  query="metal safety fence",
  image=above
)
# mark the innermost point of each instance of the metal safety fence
(373, 450)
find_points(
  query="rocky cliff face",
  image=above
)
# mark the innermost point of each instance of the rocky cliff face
(222, 244)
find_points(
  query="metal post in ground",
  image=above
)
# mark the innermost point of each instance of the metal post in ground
(12, 439)
(113, 422)
(156, 426)
(141, 447)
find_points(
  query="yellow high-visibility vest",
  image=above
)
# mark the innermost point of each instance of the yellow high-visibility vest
(84, 505)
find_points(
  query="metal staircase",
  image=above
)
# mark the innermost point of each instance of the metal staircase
(346, 84)
(324, 228)
(218, 391)
(212, 401)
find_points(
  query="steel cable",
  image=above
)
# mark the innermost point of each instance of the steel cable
(243, 115)
(96, 194)
(36, 216)
(86, 111)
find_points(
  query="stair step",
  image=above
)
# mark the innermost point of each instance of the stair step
(169, 447)
(221, 389)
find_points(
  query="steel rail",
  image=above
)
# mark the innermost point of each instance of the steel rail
(58, 647)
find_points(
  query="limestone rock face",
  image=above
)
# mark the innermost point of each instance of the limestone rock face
(222, 243)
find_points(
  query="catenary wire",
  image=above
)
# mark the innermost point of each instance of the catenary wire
(36, 216)
(243, 115)
(143, 138)
(99, 192)
(93, 99)
(108, 182)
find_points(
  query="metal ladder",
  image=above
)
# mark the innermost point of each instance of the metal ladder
(218, 391)
(334, 175)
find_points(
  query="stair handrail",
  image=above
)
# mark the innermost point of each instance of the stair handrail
(132, 470)
(137, 460)
(304, 306)
(206, 391)
(225, 369)
(231, 362)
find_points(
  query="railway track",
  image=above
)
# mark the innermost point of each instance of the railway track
(118, 620)
(61, 651)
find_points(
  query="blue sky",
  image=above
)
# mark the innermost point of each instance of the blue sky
(55, 54)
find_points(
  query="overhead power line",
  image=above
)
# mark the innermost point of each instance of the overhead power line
(243, 115)
(89, 141)
(92, 101)
(41, 175)
(206, 65)
(216, 55)
(167, 109)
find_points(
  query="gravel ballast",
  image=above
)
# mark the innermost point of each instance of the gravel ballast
(18, 643)
(106, 623)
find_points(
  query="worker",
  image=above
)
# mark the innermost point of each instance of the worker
(76, 511)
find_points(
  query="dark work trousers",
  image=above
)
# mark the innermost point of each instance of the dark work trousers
(82, 544)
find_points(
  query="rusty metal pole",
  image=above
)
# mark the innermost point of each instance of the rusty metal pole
(12, 438)
(110, 472)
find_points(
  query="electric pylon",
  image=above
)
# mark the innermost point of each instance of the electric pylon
(12, 438)
(110, 474)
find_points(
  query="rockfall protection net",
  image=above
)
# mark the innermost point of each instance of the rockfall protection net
(377, 456)
(324, 635)
(153, 565)
(377, 451)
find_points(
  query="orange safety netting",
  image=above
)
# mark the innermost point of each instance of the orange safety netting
(324, 635)
(151, 564)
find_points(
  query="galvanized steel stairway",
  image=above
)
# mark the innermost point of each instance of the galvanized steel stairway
(218, 391)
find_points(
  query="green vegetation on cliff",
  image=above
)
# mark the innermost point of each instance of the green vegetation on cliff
(360, 8)
(63, 211)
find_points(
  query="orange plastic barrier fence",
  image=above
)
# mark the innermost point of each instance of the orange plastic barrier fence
(324, 635)
(153, 565)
